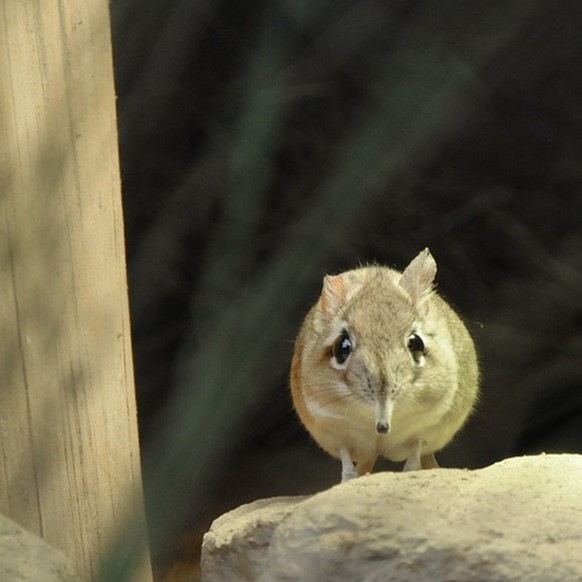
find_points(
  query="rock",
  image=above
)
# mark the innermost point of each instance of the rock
(236, 545)
(516, 520)
(27, 558)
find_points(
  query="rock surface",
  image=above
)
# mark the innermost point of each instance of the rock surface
(237, 542)
(27, 558)
(520, 519)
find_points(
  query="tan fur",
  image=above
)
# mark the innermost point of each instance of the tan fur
(426, 403)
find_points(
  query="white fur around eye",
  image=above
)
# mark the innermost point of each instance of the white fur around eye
(336, 330)
(342, 350)
(337, 366)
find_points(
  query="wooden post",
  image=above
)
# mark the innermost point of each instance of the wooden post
(69, 456)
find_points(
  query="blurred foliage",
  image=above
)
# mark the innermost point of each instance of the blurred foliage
(266, 143)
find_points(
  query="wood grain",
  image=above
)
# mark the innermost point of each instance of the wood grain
(69, 456)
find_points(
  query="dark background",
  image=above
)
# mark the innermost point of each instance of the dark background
(266, 143)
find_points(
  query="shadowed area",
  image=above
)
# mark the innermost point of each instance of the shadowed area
(267, 143)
